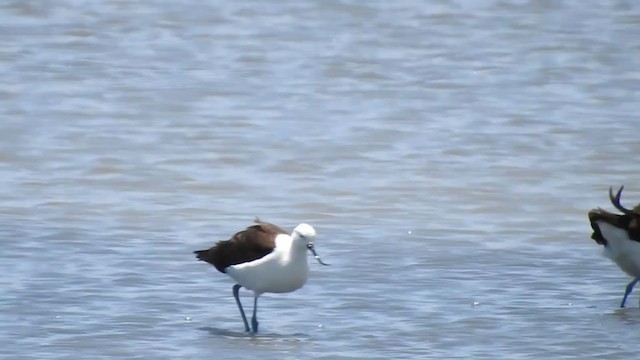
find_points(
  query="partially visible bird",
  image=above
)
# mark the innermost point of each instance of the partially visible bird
(620, 236)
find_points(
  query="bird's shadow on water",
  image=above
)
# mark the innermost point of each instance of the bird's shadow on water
(629, 315)
(226, 333)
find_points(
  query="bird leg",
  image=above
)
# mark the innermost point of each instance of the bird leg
(254, 318)
(628, 289)
(236, 288)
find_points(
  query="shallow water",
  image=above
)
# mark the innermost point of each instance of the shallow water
(447, 154)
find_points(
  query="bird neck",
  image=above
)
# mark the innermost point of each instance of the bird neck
(297, 253)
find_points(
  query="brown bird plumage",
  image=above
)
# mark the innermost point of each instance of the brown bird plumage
(628, 221)
(244, 246)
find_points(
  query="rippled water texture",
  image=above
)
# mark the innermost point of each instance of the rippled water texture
(446, 151)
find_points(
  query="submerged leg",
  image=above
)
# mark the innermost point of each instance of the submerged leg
(236, 288)
(628, 289)
(254, 318)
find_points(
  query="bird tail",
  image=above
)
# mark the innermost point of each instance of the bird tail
(201, 254)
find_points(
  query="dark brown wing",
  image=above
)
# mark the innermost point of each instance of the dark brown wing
(634, 229)
(634, 225)
(247, 245)
(269, 227)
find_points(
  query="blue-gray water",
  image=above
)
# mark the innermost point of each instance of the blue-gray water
(447, 153)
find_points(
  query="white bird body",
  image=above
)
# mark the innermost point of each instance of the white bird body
(284, 270)
(621, 249)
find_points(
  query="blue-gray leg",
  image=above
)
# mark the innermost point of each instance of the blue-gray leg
(628, 289)
(236, 288)
(254, 318)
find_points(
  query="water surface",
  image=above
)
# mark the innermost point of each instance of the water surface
(447, 154)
